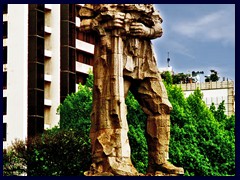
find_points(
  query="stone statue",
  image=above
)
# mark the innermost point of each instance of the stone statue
(124, 60)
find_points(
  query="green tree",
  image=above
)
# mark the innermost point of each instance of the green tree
(199, 142)
(167, 77)
(137, 123)
(76, 108)
(54, 153)
(213, 76)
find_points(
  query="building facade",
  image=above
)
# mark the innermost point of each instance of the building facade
(45, 57)
(214, 92)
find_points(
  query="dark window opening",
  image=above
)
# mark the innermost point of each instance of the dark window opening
(85, 58)
(68, 58)
(72, 59)
(4, 105)
(4, 131)
(5, 8)
(36, 23)
(5, 55)
(40, 49)
(36, 102)
(72, 31)
(81, 78)
(5, 29)
(35, 126)
(40, 76)
(36, 75)
(68, 84)
(4, 80)
(87, 37)
(72, 12)
(40, 23)
(36, 49)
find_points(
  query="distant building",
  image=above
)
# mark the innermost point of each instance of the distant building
(44, 58)
(214, 92)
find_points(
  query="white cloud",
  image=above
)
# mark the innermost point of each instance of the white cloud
(216, 26)
(173, 45)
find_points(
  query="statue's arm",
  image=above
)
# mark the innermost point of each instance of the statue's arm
(156, 30)
(140, 30)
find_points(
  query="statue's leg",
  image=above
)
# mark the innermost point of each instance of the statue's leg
(153, 98)
(109, 140)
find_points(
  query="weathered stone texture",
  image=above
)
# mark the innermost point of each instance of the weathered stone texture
(124, 60)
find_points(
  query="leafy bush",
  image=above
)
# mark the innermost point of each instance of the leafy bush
(55, 153)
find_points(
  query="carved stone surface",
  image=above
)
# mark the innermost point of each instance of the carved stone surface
(124, 60)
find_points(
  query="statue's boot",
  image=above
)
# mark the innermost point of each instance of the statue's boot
(158, 136)
(166, 168)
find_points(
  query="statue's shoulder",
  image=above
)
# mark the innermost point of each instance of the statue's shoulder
(147, 8)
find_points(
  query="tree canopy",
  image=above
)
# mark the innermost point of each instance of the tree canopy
(202, 139)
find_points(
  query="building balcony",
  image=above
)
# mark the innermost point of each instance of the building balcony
(84, 46)
(5, 17)
(48, 7)
(47, 53)
(47, 102)
(47, 30)
(5, 42)
(47, 78)
(83, 68)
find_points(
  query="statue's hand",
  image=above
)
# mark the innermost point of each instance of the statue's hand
(118, 19)
(139, 29)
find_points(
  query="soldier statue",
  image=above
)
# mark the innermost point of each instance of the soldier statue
(125, 61)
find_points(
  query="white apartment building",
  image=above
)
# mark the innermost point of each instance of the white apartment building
(45, 57)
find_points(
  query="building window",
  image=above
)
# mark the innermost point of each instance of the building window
(36, 21)
(4, 80)
(40, 49)
(40, 23)
(87, 37)
(85, 58)
(4, 105)
(4, 131)
(72, 12)
(5, 8)
(40, 76)
(5, 55)
(81, 78)
(72, 31)
(5, 27)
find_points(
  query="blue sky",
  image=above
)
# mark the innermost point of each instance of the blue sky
(199, 37)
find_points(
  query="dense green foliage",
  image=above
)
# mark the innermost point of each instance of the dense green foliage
(202, 139)
(202, 142)
(137, 122)
(55, 153)
(76, 109)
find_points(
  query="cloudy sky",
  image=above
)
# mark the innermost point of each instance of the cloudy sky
(199, 37)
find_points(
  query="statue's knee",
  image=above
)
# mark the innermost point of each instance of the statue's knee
(165, 108)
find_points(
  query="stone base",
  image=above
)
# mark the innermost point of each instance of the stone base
(157, 173)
